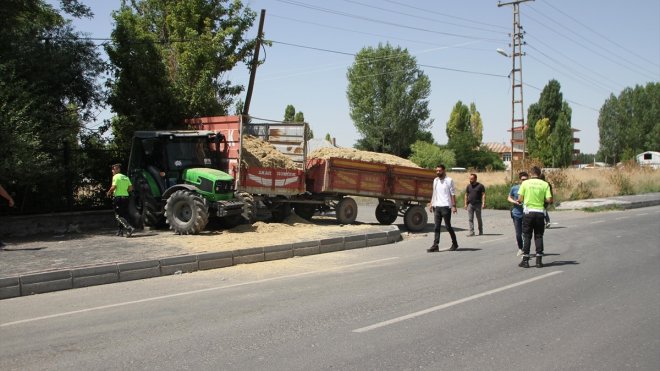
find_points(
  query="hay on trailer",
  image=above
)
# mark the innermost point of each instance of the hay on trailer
(259, 153)
(354, 154)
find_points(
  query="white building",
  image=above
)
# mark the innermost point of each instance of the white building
(649, 158)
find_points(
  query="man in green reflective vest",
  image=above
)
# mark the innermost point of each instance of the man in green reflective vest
(119, 191)
(533, 193)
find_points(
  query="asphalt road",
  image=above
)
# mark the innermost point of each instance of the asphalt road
(595, 306)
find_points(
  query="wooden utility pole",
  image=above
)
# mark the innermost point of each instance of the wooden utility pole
(517, 107)
(255, 63)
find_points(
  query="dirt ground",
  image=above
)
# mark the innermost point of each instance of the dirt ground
(293, 229)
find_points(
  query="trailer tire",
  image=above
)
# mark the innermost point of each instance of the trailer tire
(346, 210)
(305, 211)
(415, 218)
(386, 212)
(186, 212)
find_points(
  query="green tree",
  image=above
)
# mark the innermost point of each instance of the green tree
(459, 121)
(476, 124)
(429, 155)
(289, 113)
(388, 99)
(169, 60)
(300, 117)
(628, 124)
(48, 91)
(557, 147)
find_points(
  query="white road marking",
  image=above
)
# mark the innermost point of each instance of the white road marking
(642, 214)
(622, 217)
(450, 304)
(597, 221)
(126, 303)
(495, 239)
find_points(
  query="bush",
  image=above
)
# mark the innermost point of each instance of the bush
(496, 197)
(582, 191)
(621, 182)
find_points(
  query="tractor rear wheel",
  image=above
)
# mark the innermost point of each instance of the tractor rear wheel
(186, 212)
(249, 207)
(386, 212)
(415, 218)
(346, 210)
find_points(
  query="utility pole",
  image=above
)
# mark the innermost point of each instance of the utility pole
(255, 63)
(517, 107)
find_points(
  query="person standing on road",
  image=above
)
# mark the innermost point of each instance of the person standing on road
(546, 215)
(517, 210)
(475, 200)
(532, 194)
(119, 191)
(443, 204)
(10, 201)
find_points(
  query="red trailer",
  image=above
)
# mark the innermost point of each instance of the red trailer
(401, 190)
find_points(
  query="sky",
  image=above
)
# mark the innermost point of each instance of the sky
(594, 48)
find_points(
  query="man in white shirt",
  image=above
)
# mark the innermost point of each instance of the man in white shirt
(443, 204)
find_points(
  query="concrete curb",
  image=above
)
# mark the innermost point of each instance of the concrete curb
(77, 277)
(598, 203)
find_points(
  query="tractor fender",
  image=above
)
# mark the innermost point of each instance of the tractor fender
(178, 187)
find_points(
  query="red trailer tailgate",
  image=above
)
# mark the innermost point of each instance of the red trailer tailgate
(412, 183)
(337, 175)
(263, 180)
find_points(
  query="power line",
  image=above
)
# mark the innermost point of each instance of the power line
(586, 47)
(387, 37)
(349, 15)
(452, 16)
(598, 33)
(416, 16)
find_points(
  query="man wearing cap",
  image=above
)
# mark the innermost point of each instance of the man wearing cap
(119, 191)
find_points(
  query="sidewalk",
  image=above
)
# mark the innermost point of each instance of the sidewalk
(624, 202)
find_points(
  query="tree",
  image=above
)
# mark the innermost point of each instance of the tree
(289, 113)
(48, 90)
(300, 117)
(556, 147)
(459, 121)
(476, 124)
(628, 124)
(388, 99)
(429, 155)
(169, 60)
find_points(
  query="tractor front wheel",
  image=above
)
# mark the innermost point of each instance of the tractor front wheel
(186, 212)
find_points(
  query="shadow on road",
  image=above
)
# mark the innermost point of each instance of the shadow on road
(559, 263)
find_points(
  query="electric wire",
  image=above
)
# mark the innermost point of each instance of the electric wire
(586, 47)
(599, 34)
(445, 14)
(349, 15)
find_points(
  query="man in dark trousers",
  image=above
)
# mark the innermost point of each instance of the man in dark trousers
(532, 194)
(475, 200)
(120, 191)
(443, 204)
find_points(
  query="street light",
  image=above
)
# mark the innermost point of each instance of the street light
(501, 51)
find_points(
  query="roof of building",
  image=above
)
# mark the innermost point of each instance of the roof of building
(500, 148)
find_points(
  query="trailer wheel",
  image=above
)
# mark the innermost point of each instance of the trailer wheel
(346, 210)
(415, 218)
(186, 212)
(305, 211)
(386, 212)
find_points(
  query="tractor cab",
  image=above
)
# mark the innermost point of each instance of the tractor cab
(194, 163)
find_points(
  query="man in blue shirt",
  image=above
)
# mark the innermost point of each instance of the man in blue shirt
(517, 210)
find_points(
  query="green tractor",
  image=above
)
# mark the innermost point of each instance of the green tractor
(180, 178)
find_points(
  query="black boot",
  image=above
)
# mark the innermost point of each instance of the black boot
(539, 262)
(524, 263)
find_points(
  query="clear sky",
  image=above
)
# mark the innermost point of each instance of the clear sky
(594, 48)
